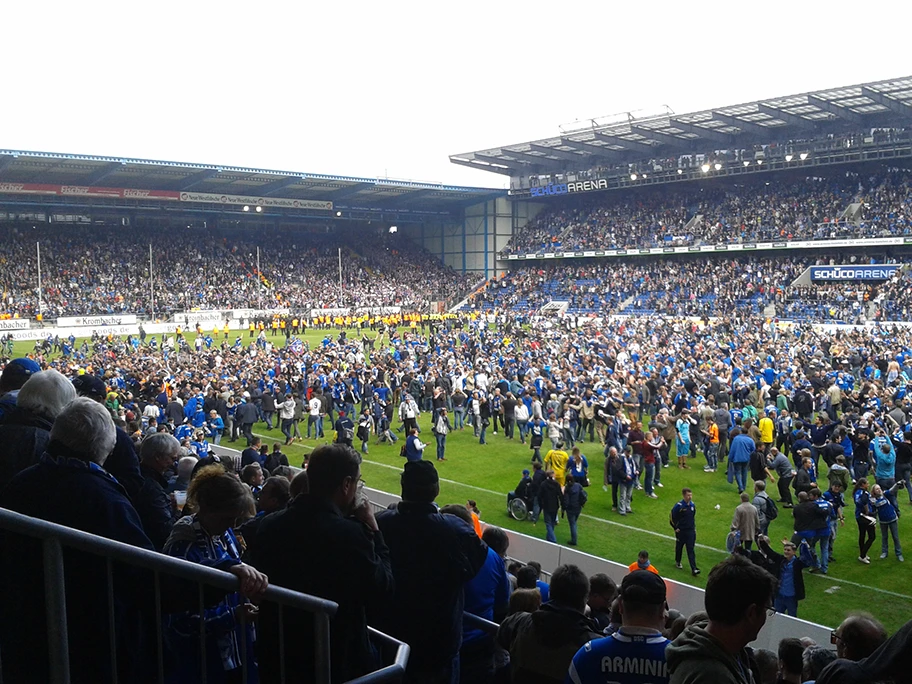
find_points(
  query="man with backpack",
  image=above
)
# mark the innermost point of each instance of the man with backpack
(766, 507)
(345, 429)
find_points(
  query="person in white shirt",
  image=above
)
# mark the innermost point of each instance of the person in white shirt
(315, 416)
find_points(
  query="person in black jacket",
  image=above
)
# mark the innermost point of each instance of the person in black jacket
(432, 557)
(69, 486)
(326, 543)
(158, 455)
(538, 479)
(788, 569)
(552, 499)
(575, 498)
(25, 429)
(246, 416)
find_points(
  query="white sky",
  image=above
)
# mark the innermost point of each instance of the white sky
(392, 88)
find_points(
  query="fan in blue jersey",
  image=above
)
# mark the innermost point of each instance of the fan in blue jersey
(635, 654)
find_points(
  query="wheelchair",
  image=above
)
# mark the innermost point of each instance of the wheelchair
(519, 508)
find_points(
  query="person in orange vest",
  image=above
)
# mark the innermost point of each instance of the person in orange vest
(642, 563)
(472, 507)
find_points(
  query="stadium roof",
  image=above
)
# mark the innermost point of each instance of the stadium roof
(75, 171)
(628, 138)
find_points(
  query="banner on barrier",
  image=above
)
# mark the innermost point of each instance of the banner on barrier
(15, 324)
(87, 321)
(201, 317)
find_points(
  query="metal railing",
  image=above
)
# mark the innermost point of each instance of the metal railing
(55, 538)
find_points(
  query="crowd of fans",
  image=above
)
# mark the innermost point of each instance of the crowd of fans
(109, 460)
(695, 287)
(96, 271)
(805, 208)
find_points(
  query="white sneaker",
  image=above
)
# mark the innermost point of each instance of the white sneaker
(659, 484)
(864, 560)
(652, 496)
(883, 556)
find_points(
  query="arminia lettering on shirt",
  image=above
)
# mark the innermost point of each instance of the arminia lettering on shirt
(640, 666)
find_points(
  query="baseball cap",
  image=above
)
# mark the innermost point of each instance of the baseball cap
(525, 472)
(642, 586)
(90, 386)
(20, 369)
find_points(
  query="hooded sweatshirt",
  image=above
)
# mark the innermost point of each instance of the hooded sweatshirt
(543, 643)
(695, 657)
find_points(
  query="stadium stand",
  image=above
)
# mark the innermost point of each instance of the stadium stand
(782, 208)
(696, 286)
(96, 270)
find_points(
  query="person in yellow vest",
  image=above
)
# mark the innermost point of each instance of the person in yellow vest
(275, 327)
(261, 326)
(251, 327)
(179, 333)
(199, 328)
(283, 325)
(294, 326)
(215, 331)
(225, 330)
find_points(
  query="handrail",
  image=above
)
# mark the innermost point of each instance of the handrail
(481, 623)
(390, 673)
(153, 561)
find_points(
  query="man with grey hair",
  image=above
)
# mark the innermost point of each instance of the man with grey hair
(69, 486)
(25, 429)
(158, 454)
(181, 481)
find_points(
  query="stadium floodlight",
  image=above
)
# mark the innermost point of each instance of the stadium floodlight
(246, 208)
(747, 163)
(705, 168)
(717, 166)
(633, 176)
(338, 214)
(759, 162)
(680, 171)
(394, 229)
(259, 209)
(644, 176)
(788, 157)
(803, 156)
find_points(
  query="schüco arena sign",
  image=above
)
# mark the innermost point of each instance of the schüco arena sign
(873, 272)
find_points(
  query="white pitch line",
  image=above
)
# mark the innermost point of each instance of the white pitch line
(666, 537)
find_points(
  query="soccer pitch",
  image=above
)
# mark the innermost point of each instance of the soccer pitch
(486, 473)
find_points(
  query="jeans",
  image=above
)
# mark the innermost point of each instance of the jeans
(509, 426)
(459, 412)
(712, 455)
(787, 605)
(823, 558)
(626, 492)
(571, 521)
(686, 539)
(441, 446)
(247, 431)
(650, 477)
(313, 421)
(893, 529)
(217, 437)
(740, 473)
(481, 435)
(286, 428)
(536, 509)
(267, 417)
(523, 429)
(363, 446)
(550, 521)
